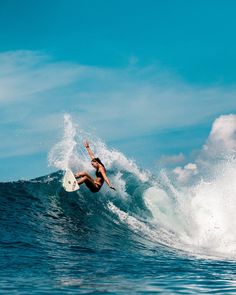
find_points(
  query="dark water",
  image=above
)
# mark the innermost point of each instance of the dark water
(53, 242)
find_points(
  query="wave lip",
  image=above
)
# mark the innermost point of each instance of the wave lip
(196, 217)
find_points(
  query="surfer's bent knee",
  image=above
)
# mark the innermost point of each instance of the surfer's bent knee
(81, 174)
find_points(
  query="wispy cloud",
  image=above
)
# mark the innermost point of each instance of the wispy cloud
(118, 104)
(24, 74)
(166, 160)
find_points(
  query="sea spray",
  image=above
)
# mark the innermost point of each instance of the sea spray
(63, 153)
(197, 217)
(69, 152)
(202, 217)
(213, 207)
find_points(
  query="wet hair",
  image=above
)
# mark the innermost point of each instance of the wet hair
(99, 161)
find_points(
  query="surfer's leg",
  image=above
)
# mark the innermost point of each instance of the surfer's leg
(88, 180)
(81, 174)
(81, 180)
(85, 178)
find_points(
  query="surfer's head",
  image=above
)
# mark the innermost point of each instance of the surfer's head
(96, 162)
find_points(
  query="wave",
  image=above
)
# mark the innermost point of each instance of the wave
(146, 211)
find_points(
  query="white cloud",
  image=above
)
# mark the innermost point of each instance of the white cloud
(220, 143)
(223, 134)
(183, 175)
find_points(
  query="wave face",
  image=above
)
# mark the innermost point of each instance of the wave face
(151, 235)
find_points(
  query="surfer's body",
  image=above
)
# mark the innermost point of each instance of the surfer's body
(93, 184)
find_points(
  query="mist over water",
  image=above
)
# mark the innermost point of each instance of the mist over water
(166, 233)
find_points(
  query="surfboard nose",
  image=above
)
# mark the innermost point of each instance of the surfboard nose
(69, 182)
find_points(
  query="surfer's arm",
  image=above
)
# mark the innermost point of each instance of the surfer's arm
(102, 170)
(91, 154)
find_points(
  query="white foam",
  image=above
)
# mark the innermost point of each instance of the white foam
(213, 207)
(69, 152)
(141, 228)
(113, 158)
(63, 154)
(201, 216)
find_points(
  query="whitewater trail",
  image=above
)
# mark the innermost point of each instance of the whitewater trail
(198, 218)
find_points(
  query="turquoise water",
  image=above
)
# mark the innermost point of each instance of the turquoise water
(53, 242)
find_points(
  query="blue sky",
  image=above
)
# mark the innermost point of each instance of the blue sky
(149, 77)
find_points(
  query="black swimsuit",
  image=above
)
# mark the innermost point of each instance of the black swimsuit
(95, 187)
(99, 174)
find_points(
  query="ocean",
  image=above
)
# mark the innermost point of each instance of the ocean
(151, 235)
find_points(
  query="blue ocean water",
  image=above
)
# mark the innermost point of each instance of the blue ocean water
(53, 242)
(150, 236)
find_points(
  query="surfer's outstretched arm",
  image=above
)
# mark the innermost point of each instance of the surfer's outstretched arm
(102, 170)
(91, 154)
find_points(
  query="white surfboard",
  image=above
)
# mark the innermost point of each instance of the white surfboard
(69, 182)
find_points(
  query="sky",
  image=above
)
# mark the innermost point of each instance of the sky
(147, 77)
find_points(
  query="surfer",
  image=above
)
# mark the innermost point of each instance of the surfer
(94, 184)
